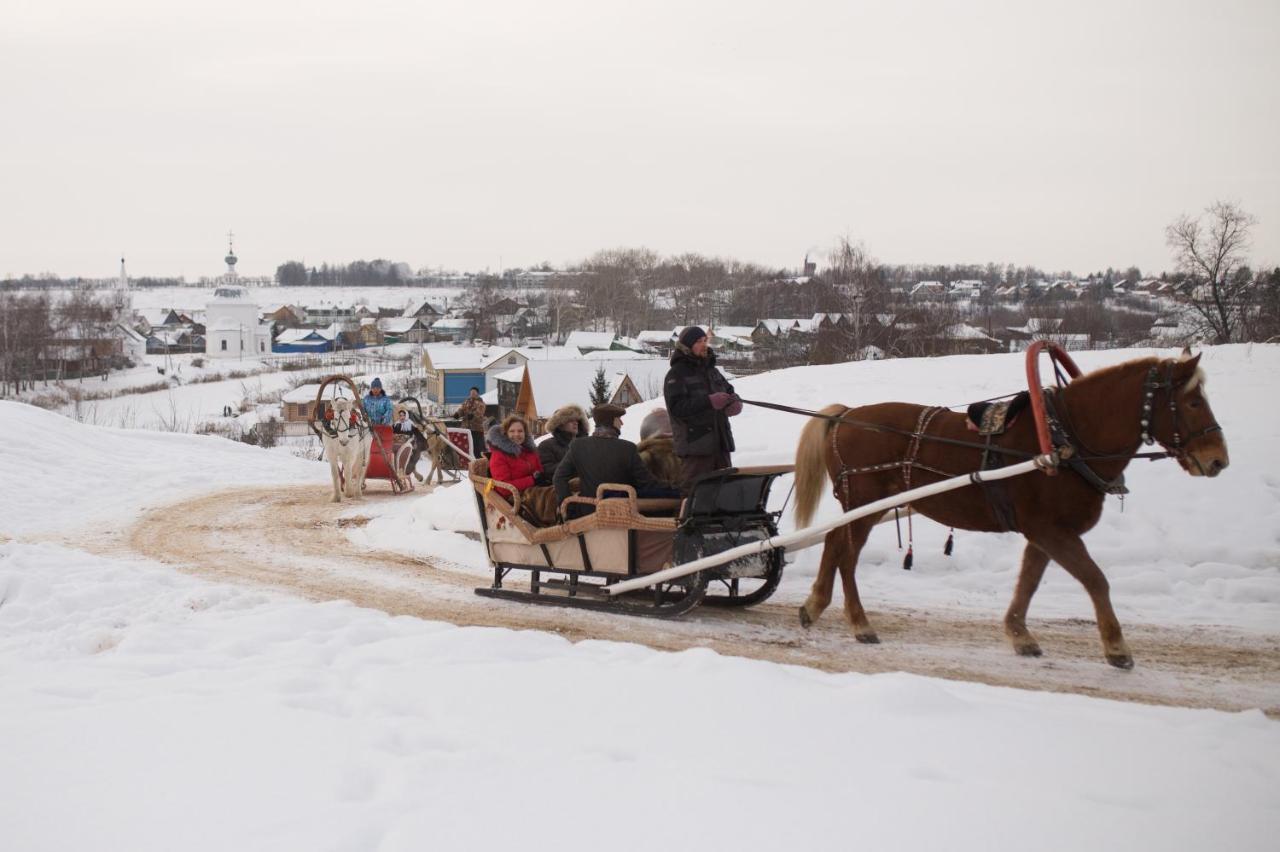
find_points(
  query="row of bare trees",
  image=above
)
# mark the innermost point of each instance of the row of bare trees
(1230, 303)
(43, 339)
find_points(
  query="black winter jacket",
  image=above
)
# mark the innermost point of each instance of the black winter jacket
(553, 450)
(599, 460)
(698, 429)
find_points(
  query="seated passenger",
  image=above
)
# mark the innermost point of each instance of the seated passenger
(404, 426)
(657, 449)
(514, 460)
(605, 457)
(565, 424)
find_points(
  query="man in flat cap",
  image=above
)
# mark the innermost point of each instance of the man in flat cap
(605, 457)
(700, 402)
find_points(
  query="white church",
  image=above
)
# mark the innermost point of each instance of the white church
(232, 327)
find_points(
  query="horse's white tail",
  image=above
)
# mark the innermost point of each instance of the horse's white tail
(811, 462)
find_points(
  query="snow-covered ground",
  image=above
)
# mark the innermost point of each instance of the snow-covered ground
(145, 709)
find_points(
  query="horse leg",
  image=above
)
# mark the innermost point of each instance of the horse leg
(337, 478)
(856, 536)
(1034, 561)
(820, 595)
(1069, 552)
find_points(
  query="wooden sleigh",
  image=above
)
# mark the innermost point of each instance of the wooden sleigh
(574, 563)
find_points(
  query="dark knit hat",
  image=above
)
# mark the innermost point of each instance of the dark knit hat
(606, 413)
(376, 383)
(691, 335)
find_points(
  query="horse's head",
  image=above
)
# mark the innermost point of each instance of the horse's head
(1181, 419)
(340, 411)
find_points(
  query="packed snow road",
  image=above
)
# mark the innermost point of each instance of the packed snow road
(292, 539)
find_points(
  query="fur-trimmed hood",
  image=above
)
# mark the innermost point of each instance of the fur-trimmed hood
(496, 439)
(682, 352)
(567, 414)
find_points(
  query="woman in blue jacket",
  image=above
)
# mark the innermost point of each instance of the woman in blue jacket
(377, 407)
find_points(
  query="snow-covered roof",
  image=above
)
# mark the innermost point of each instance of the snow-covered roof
(658, 335)
(307, 393)
(399, 325)
(1040, 325)
(568, 382)
(226, 295)
(733, 331)
(297, 335)
(590, 339)
(452, 323)
(964, 331)
(129, 334)
(416, 306)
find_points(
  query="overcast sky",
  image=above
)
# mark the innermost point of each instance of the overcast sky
(474, 134)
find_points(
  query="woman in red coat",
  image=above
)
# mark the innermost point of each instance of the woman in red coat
(515, 458)
(515, 461)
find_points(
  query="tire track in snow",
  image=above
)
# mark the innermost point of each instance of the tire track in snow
(290, 539)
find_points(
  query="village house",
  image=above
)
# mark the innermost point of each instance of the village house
(423, 310)
(369, 334)
(538, 388)
(404, 329)
(311, 340)
(592, 341)
(298, 406)
(284, 316)
(457, 329)
(325, 314)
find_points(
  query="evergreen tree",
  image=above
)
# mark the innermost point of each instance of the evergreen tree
(599, 387)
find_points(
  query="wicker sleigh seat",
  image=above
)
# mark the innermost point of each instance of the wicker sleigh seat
(604, 541)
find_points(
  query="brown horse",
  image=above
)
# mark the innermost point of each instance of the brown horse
(1104, 416)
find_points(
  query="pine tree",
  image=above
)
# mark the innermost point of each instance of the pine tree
(599, 387)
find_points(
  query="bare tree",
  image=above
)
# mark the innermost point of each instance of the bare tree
(1209, 254)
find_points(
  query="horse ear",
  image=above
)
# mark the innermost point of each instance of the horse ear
(1186, 354)
(1186, 368)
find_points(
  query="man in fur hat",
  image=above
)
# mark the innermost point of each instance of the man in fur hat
(657, 449)
(700, 402)
(565, 424)
(605, 457)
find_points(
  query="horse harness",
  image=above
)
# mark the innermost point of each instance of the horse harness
(354, 421)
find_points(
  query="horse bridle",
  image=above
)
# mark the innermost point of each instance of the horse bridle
(346, 424)
(1153, 383)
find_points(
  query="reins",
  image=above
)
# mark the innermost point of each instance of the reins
(918, 436)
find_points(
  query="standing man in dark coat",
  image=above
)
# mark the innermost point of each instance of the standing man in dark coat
(700, 402)
(605, 457)
(471, 413)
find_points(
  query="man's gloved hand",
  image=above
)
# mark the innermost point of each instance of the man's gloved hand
(720, 399)
(734, 408)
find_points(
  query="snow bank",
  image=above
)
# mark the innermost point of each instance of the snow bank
(60, 474)
(146, 710)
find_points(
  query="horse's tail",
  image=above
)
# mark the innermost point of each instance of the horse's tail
(811, 462)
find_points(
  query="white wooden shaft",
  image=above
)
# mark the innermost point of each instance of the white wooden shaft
(810, 536)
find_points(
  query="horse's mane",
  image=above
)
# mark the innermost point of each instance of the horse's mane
(1104, 374)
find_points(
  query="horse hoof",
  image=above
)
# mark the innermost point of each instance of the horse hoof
(867, 638)
(1120, 661)
(1028, 650)
(805, 621)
